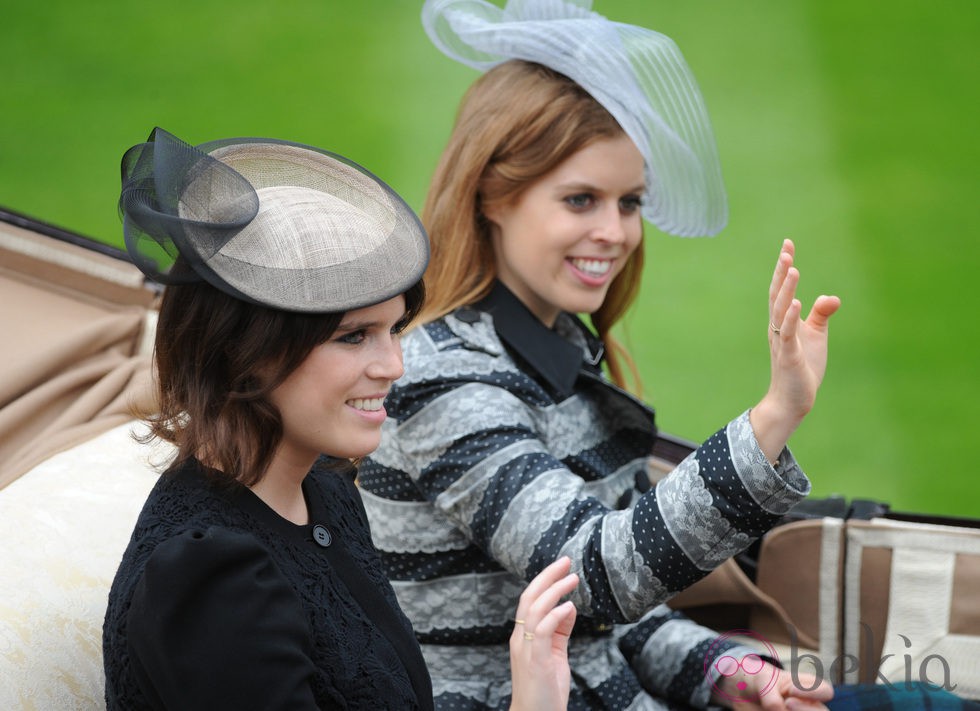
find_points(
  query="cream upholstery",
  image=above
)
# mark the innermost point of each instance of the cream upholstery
(63, 528)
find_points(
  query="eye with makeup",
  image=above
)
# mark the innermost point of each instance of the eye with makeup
(630, 204)
(580, 201)
(359, 335)
(352, 338)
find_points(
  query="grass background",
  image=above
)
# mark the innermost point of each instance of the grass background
(850, 127)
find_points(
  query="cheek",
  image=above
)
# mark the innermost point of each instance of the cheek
(631, 247)
(511, 254)
(634, 236)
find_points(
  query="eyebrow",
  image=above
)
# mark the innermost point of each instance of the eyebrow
(589, 188)
(365, 325)
(355, 325)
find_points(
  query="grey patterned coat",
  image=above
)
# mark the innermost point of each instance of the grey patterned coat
(506, 448)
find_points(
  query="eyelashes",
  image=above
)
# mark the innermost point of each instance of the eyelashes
(631, 204)
(353, 338)
(580, 201)
(584, 201)
(358, 336)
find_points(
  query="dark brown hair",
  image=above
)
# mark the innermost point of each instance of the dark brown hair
(217, 360)
(516, 123)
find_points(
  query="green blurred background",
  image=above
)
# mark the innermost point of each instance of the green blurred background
(850, 127)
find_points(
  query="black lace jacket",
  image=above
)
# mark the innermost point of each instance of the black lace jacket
(220, 603)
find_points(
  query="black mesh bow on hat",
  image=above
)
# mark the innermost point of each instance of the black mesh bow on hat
(267, 221)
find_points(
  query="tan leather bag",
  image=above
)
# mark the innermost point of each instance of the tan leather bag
(884, 600)
(852, 590)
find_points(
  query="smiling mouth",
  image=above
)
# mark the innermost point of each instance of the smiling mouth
(372, 404)
(592, 267)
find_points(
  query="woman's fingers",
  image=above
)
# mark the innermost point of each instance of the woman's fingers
(790, 323)
(539, 642)
(783, 263)
(822, 692)
(541, 596)
(555, 627)
(823, 308)
(785, 260)
(782, 298)
(541, 582)
(809, 697)
(566, 614)
(546, 603)
(550, 597)
(782, 289)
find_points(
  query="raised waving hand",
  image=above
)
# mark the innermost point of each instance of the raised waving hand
(798, 356)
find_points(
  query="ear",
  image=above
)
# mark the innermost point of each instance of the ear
(491, 213)
(497, 211)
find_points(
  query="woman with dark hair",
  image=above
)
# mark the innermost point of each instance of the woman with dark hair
(250, 580)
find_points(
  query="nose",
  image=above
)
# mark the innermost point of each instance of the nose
(611, 227)
(386, 360)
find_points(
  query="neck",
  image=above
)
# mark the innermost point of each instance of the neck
(281, 488)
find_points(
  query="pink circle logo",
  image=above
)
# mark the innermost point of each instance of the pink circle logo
(726, 665)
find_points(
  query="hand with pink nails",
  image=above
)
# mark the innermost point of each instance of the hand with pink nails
(798, 354)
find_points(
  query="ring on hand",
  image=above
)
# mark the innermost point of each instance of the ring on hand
(518, 622)
(529, 635)
(773, 328)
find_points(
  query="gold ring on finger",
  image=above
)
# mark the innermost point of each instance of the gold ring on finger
(772, 327)
(529, 635)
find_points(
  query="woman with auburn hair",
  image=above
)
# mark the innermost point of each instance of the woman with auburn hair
(250, 580)
(530, 119)
(506, 443)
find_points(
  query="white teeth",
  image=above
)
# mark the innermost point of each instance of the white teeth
(369, 404)
(593, 267)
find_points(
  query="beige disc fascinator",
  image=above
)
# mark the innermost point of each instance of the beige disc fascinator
(270, 222)
(637, 74)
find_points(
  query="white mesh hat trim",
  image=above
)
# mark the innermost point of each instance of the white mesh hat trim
(637, 74)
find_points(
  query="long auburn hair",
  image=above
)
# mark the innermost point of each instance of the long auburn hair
(516, 123)
(217, 360)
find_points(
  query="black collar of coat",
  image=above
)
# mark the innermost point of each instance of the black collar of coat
(557, 360)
